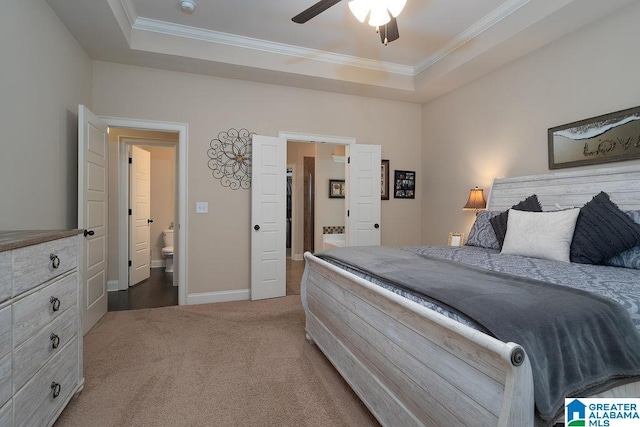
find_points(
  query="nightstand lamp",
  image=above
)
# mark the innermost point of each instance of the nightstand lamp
(476, 200)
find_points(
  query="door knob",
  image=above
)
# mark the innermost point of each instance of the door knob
(149, 221)
(89, 233)
(376, 225)
(256, 227)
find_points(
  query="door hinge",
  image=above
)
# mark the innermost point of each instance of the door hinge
(130, 160)
(130, 212)
(129, 263)
(349, 160)
(348, 212)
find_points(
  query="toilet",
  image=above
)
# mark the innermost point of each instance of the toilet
(167, 250)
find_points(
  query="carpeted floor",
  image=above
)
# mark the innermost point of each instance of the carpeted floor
(228, 364)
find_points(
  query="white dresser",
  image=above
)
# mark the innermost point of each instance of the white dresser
(40, 325)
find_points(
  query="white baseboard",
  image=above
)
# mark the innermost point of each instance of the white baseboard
(222, 296)
(112, 285)
(298, 257)
(157, 263)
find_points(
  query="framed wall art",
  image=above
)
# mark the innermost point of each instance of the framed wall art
(336, 188)
(384, 180)
(608, 138)
(404, 184)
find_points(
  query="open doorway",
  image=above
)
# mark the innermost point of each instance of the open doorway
(150, 180)
(313, 210)
(119, 183)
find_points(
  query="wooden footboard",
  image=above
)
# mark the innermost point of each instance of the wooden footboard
(411, 365)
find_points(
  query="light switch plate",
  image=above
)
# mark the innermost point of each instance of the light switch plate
(202, 207)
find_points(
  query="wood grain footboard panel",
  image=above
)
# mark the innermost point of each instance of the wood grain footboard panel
(408, 364)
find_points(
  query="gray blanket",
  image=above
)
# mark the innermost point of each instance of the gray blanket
(577, 343)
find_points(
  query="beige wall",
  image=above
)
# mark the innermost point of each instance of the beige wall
(44, 75)
(497, 125)
(218, 242)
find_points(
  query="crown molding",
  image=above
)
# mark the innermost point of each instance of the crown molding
(152, 25)
(129, 10)
(497, 15)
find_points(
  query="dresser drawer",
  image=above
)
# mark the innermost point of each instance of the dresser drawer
(32, 313)
(6, 414)
(5, 331)
(33, 265)
(5, 275)
(35, 352)
(35, 404)
(6, 389)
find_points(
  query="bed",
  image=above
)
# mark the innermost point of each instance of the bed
(414, 364)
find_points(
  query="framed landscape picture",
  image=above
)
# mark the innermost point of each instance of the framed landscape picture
(608, 138)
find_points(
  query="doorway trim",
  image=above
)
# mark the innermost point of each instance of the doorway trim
(181, 218)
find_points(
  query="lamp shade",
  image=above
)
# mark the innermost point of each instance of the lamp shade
(476, 200)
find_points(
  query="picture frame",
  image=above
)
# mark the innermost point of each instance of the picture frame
(608, 138)
(455, 239)
(336, 189)
(384, 180)
(404, 184)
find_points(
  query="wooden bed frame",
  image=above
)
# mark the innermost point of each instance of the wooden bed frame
(412, 366)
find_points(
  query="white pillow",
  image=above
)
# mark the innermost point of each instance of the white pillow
(544, 235)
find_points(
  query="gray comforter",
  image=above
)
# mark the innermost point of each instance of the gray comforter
(577, 342)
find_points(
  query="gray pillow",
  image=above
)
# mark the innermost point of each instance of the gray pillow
(602, 231)
(482, 234)
(631, 257)
(499, 222)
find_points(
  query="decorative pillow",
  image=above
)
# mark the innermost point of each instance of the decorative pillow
(602, 231)
(482, 233)
(631, 257)
(499, 223)
(545, 235)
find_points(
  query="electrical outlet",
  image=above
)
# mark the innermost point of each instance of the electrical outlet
(202, 207)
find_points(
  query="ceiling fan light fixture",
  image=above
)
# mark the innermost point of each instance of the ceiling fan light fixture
(395, 7)
(360, 9)
(379, 15)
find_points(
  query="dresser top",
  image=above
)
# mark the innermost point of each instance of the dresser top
(21, 238)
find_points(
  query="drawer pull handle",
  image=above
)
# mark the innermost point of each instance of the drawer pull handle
(55, 340)
(56, 389)
(55, 302)
(55, 261)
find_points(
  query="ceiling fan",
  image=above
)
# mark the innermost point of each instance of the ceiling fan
(382, 15)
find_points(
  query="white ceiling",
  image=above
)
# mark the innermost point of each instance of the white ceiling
(443, 43)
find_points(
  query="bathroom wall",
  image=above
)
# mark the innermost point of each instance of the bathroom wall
(162, 197)
(329, 212)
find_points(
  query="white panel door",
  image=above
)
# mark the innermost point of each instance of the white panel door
(140, 218)
(363, 195)
(92, 214)
(268, 217)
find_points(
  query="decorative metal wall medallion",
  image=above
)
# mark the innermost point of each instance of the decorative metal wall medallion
(230, 158)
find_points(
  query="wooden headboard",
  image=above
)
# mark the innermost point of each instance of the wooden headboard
(569, 189)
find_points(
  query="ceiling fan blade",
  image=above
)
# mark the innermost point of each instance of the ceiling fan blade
(314, 11)
(389, 32)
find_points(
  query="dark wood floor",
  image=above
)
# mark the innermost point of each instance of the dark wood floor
(156, 291)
